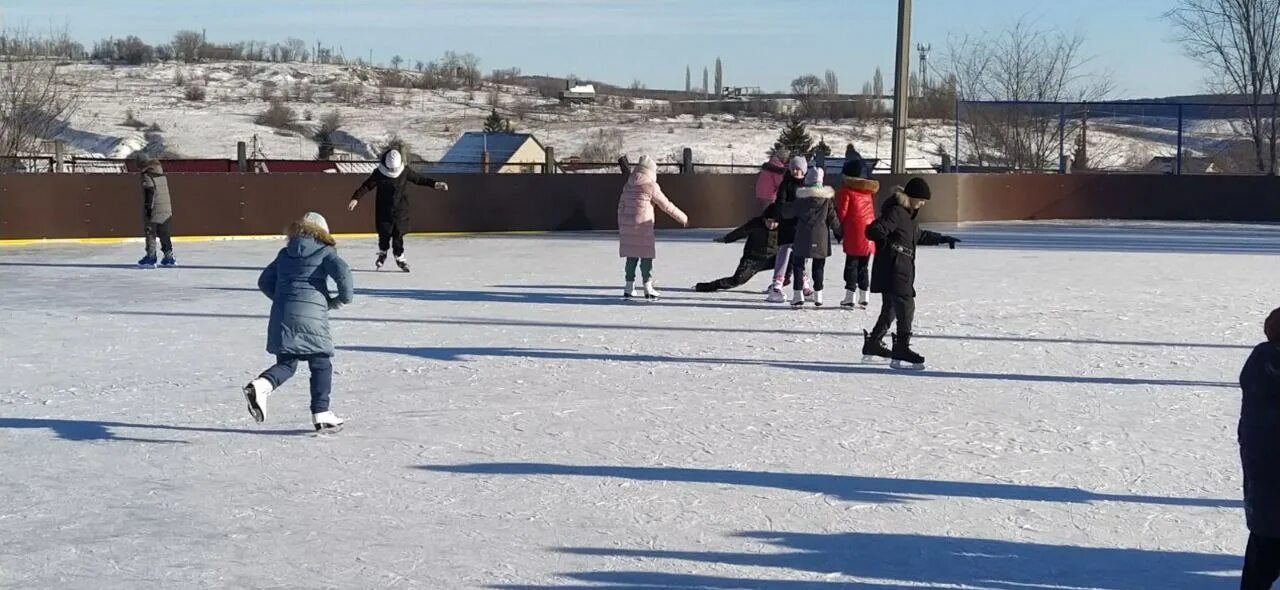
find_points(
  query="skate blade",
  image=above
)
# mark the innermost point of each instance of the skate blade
(873, 359)
(322, 430)
(255, 410)
(905, 366)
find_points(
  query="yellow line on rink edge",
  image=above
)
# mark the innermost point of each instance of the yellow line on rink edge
(188, 239)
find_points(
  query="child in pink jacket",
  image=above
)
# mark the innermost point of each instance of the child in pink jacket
(636, 240)
(771, 174)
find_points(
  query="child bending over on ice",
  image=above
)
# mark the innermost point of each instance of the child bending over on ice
(758, 255)
(296, 282)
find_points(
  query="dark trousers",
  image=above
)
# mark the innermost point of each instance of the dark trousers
(892, 307)
(797, 272)
(391, 237)
(747, 267)
(321, 366)
(1261, 563)
(857, 273)
(152, 231)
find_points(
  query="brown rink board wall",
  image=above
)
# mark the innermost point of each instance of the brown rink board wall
(47, 206)
(36, 206)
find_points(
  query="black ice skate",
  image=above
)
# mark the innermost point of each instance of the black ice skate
(382, 259)
(873, 348)
(903, 357)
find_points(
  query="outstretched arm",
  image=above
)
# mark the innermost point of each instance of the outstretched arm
(421, 180)
(660, 199)
(741, 232)
(366, 186)
(925, 237)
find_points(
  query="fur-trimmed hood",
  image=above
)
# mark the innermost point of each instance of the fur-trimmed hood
(815, 192)
(307, 229)
(862, 185)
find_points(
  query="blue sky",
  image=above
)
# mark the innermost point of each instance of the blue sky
(762, 43)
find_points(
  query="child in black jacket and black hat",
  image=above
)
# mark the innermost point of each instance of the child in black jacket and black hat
(758, 255)
(893, 274)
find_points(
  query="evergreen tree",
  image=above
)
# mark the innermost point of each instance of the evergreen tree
(706, 83)
(688, 80)
(795, 137)
(822, 148)
(877, 83)
(496, 124)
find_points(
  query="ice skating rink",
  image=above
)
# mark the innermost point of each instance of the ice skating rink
(513, 424)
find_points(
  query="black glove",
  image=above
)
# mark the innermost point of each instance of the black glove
(950, 241)
(718, 240)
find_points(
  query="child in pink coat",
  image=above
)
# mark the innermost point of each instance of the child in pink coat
(636, 240)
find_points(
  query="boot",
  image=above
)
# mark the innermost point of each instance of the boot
(903, 357)
(629, 291)
(168, 261)
(873, 348)
(797, 298)
(402, 263)
(256, 393)
(862, 298)
(817, 298)
(650, 292)
(326, 420)
(775, 294)
(381, 260)
(848, 300)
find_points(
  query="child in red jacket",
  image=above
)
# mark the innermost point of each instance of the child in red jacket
(856, 208)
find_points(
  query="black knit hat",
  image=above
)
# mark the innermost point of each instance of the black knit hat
(917, 188)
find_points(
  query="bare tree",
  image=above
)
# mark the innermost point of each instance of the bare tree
(831, 84)
(719, 92)
(877, 83)
(1238, 40)
(688, 80)
(186, 45)
(1021, 64)
(34, 105)
(296, 49)
(396, 62)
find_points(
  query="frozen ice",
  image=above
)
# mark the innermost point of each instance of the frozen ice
(512, 423)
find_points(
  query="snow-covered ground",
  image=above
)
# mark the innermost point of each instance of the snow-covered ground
(430, 121)
(513, 424)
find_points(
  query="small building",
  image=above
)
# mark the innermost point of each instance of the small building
(509, 153)
(1190, 165)
(579, 94)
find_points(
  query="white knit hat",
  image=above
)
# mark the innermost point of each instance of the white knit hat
(392, 164)
(799, 163)
(814, 177)
(647, 164)
(317, 220)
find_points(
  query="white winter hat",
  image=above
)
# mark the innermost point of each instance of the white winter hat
(317, 220)
(814, 177)
(392, 164)
(799, 163)
(646, 163)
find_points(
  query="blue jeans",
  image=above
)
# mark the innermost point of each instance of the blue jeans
(321, 366)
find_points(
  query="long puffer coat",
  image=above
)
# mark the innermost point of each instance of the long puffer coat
(815, 221)
(157, 205)
(856, 208)
(297, 282)
(636, 217)
(1259, 437)
(896, 236)
(392, 194)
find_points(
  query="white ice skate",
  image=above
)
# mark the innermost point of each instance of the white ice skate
(256, 393)
(797, 298)
(775, 294)
(326, 421)
(650, 292)
(862, 298)
(817, 298)
(629, 291)
(849, 298)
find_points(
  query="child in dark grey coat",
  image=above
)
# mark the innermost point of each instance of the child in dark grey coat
(297, 283)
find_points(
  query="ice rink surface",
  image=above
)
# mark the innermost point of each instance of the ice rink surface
(513, 424)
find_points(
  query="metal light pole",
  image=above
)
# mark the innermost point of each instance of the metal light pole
(902, 89)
